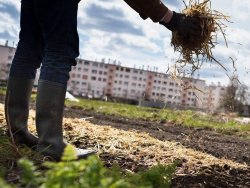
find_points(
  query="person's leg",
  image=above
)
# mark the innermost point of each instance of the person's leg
(58, 19)
(27, 59)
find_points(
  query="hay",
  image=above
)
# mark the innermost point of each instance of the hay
(198, 49)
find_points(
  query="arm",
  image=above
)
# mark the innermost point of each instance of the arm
(153, 9)
(158, 12)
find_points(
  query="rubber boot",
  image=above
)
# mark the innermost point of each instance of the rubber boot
(17, 110)
(49, 116)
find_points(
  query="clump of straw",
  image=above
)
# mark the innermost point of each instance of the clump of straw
(199, 48)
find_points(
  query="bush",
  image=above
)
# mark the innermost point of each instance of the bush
(89, 173)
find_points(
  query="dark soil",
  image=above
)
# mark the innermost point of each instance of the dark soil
(205, 140)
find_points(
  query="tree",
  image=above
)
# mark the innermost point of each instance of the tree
(235, 96)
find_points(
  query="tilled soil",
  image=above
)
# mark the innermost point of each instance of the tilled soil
(203, 140)
(218, 145)
(206, 158)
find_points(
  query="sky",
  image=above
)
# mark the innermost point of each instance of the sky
(110, 30)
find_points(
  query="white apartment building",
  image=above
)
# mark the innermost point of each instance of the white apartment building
(95, 79)
(6, 56)
(214, 96)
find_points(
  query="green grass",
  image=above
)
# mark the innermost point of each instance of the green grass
(184, 117)
(2, 90)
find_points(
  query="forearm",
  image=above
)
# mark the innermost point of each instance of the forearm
(153, 9)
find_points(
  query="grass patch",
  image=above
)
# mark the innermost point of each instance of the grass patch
(2, 90)
(184, 117)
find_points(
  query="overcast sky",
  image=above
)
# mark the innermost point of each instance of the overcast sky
(110, 29)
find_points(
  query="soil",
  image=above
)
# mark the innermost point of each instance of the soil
(204, 140)
(206, 158)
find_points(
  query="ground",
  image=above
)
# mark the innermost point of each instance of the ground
(206, 158)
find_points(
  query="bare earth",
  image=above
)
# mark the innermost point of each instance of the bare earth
(207, 159)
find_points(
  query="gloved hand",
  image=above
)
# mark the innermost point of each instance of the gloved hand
(184, 25)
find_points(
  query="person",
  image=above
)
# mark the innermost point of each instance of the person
(49, 38)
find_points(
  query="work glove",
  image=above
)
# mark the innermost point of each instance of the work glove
(185, 25)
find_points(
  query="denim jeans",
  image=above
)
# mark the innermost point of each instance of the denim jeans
(48, 38)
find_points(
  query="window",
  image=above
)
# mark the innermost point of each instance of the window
(84, 83)
(100, 72)
(94, 71)
(79, 69)
(127, 69)
(9, 57)
(126, 83)
(120, 82)
(93, 78)
(99, 79)
(86, 62)
(105, 73)
(121, 75)
(84, 77)
(171, 83)
(104, 79)
(134, 77)
(78, 75)
(95, 64)
(170, 90)
(165, 83)
(126, 76)
(170, 96)
(85, 70)
(133, 84)
(10, 50)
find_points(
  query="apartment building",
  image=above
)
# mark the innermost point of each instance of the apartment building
(96, 79)
(6, 56)
(214, 96)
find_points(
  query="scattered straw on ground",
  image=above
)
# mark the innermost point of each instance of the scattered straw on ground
(136, 146)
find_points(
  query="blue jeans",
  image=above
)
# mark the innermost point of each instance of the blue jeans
(48, 38)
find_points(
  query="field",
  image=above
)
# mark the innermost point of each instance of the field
(210, 152)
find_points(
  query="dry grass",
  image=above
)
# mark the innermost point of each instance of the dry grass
(197, 49)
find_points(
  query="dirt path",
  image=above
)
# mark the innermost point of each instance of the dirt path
(218, 145)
